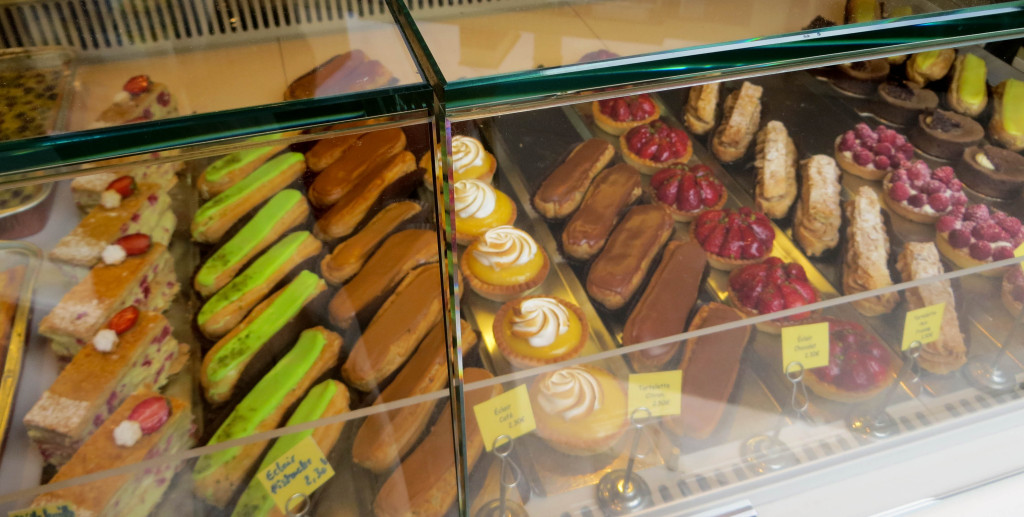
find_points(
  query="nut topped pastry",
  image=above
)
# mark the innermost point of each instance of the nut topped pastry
(776, 170)
(503, 263)
(866, 263)
(920, 260)
(740, 119)
(539, 330)
(818, 216)
(702, 108)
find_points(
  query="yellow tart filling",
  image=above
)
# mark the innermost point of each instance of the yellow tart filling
(541, 328)
(504, 256)
(480, 207)
(580, 401)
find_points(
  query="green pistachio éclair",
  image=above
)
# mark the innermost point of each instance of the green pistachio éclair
(212, 208)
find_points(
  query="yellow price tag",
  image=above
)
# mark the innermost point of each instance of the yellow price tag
(50, 510)
(805, 344)
(1019, 252)
(301, 470)
(659, 392)
(507, 414)
(923, 325)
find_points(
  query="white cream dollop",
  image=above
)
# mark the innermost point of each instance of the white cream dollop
(983, 160)
(505, 246)
(110, 199)
(127, 433)
(571, 393)
(540, 321)
(467, 152)
(474, 198)
(122, 97)
(105, 340)
(113, 255)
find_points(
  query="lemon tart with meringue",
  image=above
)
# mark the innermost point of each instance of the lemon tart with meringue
(478, 208)
(539, 330)
(580, 410)
(504, 263)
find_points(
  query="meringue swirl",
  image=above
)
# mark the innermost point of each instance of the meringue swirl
(571, 393)
(505, 246)
(540, 321)
(474, 198)
(467, 152)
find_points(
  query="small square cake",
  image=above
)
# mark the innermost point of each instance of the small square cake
(86, 190)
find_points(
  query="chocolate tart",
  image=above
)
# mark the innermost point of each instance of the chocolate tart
(503, 338)
(860, 78)
(902, 102)
(944, 134)
(992, 171)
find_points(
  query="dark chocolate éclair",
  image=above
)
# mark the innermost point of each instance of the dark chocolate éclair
(945, 134)
(902, 102)
(666, 303)
(612, 191)
(710, 367)
(992, 171)
(563, 190)
(620, 268)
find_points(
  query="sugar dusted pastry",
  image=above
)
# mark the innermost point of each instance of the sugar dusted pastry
(776, 170)
(579, 410)
(740, 118)
(866, 264)
(917, 261)
(702, 108)
(818, 214)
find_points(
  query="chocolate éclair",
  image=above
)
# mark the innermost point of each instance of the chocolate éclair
(588, 229)
(563, 190)
(620, 268)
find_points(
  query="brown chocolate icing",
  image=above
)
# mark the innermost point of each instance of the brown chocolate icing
(611, 192)
(622, 265)
(573, 176)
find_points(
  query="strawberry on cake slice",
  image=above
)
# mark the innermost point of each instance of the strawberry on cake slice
(618, 115)
(88, 190)
(139, 100)
(872, 153)
(922, 195)
(771, 286)
(976, 234)
(688, 191)
(733, 238)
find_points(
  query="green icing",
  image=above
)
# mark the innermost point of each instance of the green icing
(1013, 107)
(255, 501)
(972, 80)
(244, 344)
(257, 273)
(249, 236)
(209, 211)
(217, 169)
(263, 399)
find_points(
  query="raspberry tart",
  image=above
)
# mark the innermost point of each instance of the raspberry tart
(1013, 290)
(616, 116)
(771, 286)
(921, 194)
(733, 238)
(872, 153)
(975, 235)
(688, 191)
(859, 366)
(654, 146)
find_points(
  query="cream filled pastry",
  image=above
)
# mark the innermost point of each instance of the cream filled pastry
(579, 410)
(503, 263)
(540, 321)
(480, 207)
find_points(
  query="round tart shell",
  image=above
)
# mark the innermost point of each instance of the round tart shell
(650, 166)
(614, 127)
(962, 257)
(522, 361)
(465, 239)
(848, 165)
(584, 443)
(904, 209)
(486, 177)
(727, 264)
(683, 216)
(503, 293)
(770, 327)
(831, 392)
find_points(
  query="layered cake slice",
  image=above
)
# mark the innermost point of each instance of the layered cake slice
(144, 279)
(139, 100)
(147, 425)
(87, 190)
(142, 210)
(90, 388)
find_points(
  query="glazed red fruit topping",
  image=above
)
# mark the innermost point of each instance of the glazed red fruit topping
(137, 85)
(134, 244)
(658, 142)
(628, 109)
(151, 414)
(742, 234)
(125, 185)
(880, 148)
(858, 361)
(772, 286)
(687, 189)
(984, 233)
(918, 186)
(124, 320)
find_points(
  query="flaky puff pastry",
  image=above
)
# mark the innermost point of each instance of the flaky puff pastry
(866, 264)
(776, 170)
(740, 118)
(818, 215)
(701, 108)
(921, 260)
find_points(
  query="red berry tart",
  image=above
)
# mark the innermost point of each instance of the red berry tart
(859, 365)
(688, 191)
(621, 114)
(872, 153)
(1013, 290)
(654, 146)
(733, 238)
(922, 195)
(771, 286)
(975, 235)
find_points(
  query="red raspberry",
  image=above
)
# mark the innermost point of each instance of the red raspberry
(863, 131)
(959, 199)
(163, 99)
(958, 210)
(907, 151)
(943, 174)
(888, 137)
(939, 202)
(863, 158)
(946, 223)
(1002, 253)
(884, 149)
(899, 141)
(981, 250)
(848, 141)
(1012, 225)
(976, 213)
(918, 200)
(959, 238)
(899, 176)
(956, 186)
(933, 187)
(881, 163)
(899, 192)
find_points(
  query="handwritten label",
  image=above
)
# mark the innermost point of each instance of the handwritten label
(805, 344)
(659, 392)
(923, 325)
(509, 413)
(1019, 252)
(50, 510)
(301, 470)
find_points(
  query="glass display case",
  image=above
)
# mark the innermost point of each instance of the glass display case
(478, 258)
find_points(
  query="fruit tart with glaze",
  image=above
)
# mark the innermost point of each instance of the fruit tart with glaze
(688, 191)
(733, 238)
(616, 116)
(872, 153)
(504, 263)
(922, 195)
(975, 235)
(580, 410)
(859, 367)
(771, 286)
(538, 330)
(654, 146)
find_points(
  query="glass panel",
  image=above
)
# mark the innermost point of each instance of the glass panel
(595, 234)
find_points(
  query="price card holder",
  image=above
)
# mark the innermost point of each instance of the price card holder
(507, 414)
(659, 392)
(301, 470)
(50, 510)
(805, 344)
(923, 325)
